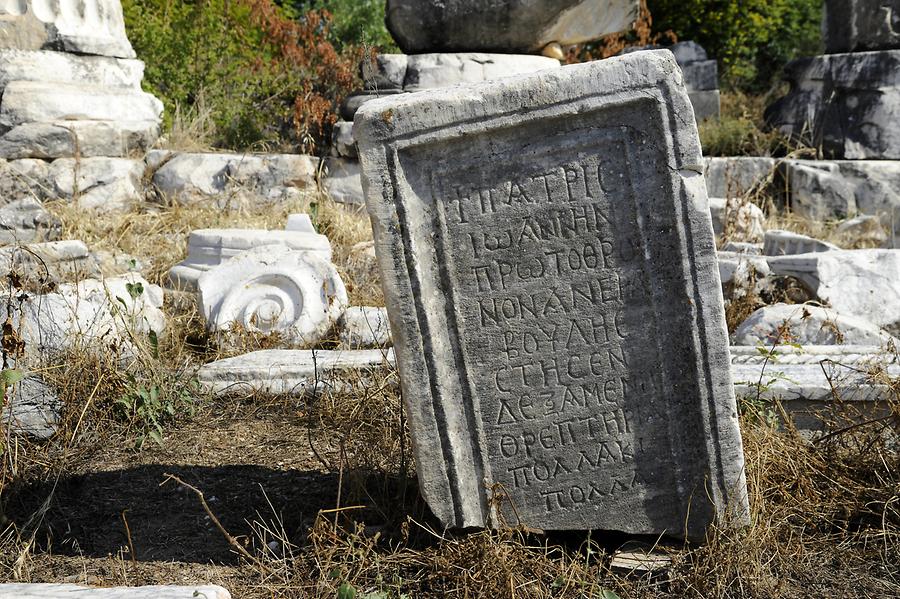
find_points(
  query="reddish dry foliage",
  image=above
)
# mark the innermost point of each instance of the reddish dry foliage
(303, 53)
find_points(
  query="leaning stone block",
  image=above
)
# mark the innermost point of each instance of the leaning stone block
(542, 239)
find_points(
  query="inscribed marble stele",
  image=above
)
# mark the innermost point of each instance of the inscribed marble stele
(550, 277)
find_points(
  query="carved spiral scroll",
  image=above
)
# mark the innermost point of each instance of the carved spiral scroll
(274, 289)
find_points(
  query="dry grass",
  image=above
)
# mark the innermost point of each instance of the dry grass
(825, 514)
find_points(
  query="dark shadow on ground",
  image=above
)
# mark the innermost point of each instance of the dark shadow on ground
(168, 522)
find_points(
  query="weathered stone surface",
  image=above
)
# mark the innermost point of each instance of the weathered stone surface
(863, 283)
(701, 76)
(90, 315)
(807, 381)
(32, 409)
(291, 372)
(226, 177)
(62, 67)
(343, 181)
(862, 231)
(71, 591)
(82, 27)
(870, 186)
(532, 234)
(67, 139)
(208, 248)
(40, 102)
(807, 325)
(98, 183)
(734, 176)
(509, 26)
(365, 327)
(741, 221)
(352, 102)
(386, 71)
(342, 140)
(858, 25)
(274, 289)
(430, 71)
(786, 243)
(27, 221)
(53, 262)
(847, 104)
(26, 178)
(818, 191)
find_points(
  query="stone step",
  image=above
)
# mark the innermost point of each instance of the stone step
(72, 591)
(38, 102)
(62, 67)
(288, 372)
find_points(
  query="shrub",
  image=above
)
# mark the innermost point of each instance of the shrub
(740, 130)
(359, 22)
(752, 39)
(267, 80)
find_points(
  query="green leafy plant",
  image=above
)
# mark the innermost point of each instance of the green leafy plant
(149, 407)
(751, 39)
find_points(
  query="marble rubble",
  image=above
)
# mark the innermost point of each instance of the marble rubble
(229, 178)
(807, 381)
(860, 283)
(365, 327)
(290, 372)
(91, 315)
(513, 26)
(512, 380)
(783, 324)
(72, 591)
(72, 111)
(273, 289)
(847, 101)
(787, 243)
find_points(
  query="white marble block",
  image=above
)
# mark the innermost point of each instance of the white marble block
(274, 289)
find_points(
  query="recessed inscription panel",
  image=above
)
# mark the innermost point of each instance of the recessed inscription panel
(550, 256)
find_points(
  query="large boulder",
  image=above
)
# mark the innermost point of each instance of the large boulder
(847, 104)
(859, 25)
(420, 26)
